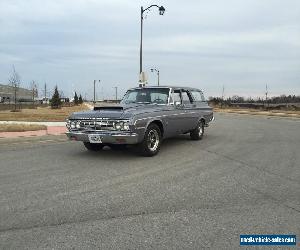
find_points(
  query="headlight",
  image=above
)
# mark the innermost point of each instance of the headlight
(118, 126)
(73, 125)
(121, 125)
(68, 123)
(78, 124)
(125, 126)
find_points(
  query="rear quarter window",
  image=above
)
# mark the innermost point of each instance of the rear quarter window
(198, 96)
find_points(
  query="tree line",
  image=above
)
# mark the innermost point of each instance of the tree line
(56, 102)
(282, 99)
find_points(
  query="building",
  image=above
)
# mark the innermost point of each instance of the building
(7, 94)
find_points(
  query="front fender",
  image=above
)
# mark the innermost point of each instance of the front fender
(141, 125)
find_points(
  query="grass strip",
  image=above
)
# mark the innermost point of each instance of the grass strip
(20, 127)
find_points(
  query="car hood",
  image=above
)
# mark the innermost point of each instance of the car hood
(118, 112)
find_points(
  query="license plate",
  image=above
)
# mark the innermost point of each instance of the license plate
(95, 139)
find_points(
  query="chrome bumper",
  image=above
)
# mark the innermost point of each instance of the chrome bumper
(106, 137)
(212, 119)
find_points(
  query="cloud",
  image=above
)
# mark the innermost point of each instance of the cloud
(241, 44)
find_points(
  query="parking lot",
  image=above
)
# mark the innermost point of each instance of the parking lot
(242, 178)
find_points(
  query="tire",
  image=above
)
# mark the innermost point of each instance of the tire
(150, 145)
(93, 146)
(198, 132)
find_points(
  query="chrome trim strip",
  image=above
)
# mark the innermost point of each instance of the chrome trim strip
(160, 116)
(103, 134)
(140, 128)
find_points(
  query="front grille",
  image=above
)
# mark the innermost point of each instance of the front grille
(96, 125)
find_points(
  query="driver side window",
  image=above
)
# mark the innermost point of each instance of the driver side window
(161, 98)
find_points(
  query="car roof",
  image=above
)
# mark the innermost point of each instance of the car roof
(173, 87)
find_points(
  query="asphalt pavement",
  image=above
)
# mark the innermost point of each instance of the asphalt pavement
(242, 178)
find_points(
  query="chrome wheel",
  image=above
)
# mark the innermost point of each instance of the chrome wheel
(198, 132)
(153, 140)
(200, 128)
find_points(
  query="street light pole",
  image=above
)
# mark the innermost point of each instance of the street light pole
(116, 88)
(157, 71)
(95, 91)
(161, 12)
(141, 41)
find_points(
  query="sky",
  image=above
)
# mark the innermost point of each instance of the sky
(241, 45)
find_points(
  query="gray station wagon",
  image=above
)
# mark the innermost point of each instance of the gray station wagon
(145, 116)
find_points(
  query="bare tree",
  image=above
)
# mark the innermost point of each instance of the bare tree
(34, 90)
(14, 82)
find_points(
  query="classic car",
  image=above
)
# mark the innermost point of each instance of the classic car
(145, 116)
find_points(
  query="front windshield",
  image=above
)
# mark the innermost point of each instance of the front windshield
(147, 96)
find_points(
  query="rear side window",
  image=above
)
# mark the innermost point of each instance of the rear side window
(176, 96)
(185, 98)
(198, 96)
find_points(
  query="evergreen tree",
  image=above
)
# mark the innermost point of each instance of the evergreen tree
(76, 99)
(80, 101)
(55, 101)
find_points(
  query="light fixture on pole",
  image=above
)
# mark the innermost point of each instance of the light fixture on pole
(157, 72)
(161, 10)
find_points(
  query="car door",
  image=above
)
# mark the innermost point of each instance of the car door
(190, 115)
(201, 106)
(175, 115)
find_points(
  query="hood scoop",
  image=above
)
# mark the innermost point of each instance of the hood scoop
(109, 108)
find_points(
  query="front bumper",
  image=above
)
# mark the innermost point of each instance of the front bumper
(211, 119)
(106, 137)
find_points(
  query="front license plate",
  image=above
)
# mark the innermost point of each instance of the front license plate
(95, 139)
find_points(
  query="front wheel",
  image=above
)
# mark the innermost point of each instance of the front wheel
(150, 145)
(198, 132)
(93, 146)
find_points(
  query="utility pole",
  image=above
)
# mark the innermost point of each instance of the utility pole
(266, 94)
(34, 91)
(223, 90)
(45, 93)
(116, 88)
(95, 91)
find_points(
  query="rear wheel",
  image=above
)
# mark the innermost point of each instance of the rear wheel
(198, 132)
(93, 146)
(150, 145)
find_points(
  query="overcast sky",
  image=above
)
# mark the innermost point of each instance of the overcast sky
(241, 44)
